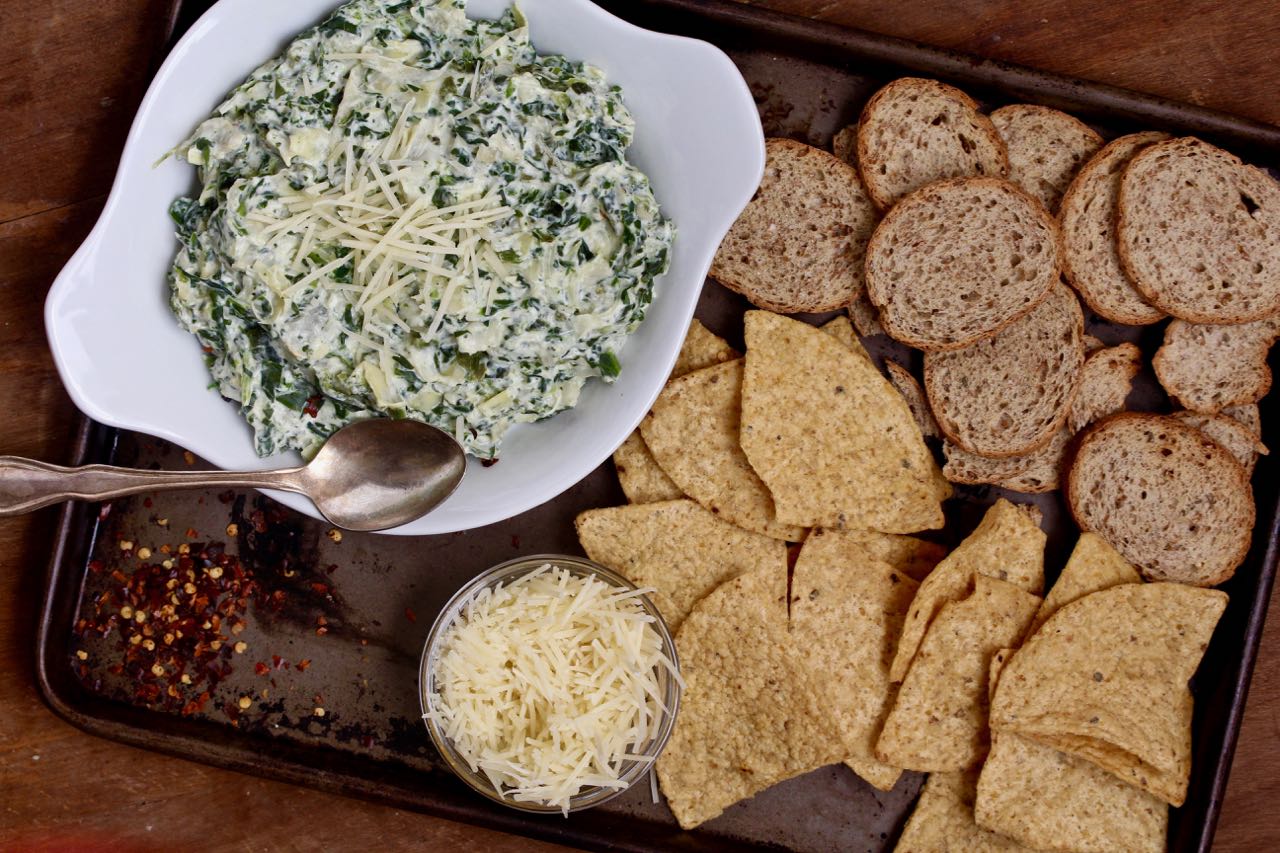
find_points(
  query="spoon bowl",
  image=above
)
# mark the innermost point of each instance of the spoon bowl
(377, 474)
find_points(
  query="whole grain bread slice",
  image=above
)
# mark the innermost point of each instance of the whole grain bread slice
(914, 132)
(1105, 382)
(1199, 232)
(845, 144)
(800, 242)
(1247, 414)
(1171, 500)
(1090, 256)
(1209, 367)
(1230, 433)
(911, 391)
(1008, 395)
(1046, 148)
(959, 260)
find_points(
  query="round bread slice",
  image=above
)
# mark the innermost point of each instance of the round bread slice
(1087, 216)
(845, 144)
(1199, 232)
(1046, 149)
(1208, 368)
(800, 242)
(914, 132)
(1230, 433)
(1008, 395)
(959, 260)
(1171, 500)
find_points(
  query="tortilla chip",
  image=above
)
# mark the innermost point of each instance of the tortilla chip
(939, 720)
(1105, 679)
(752, 714)
(834, 442)
(1007, 545)
(643, 481)
(693, 434)
(842, 330)
(1094, 565)
(676, 547)
(846, 614)
(914, 557)
(1049, 800)
(877, 774)
(943, 820)
(998, 660)
(702, 348)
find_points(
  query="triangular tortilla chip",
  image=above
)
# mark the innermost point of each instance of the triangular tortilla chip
(701, 348)
(693, 433)
(842, 330)
(1053, 801)
(939, 720)
(914, 557)
(1105, 679)
(877, 774)
(1094, 565)
(1049, 800)
(830, 436)
(752, 714)
(642, 479)
(846, 614)
(942, 821)
(676, 547)
(1008, 545)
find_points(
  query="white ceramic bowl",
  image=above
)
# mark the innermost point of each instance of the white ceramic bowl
(126, 362)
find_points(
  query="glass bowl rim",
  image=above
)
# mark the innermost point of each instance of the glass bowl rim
(508, 570)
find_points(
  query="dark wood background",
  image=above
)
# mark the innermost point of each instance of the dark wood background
(71, 75)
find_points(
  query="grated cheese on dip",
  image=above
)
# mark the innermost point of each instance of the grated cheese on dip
(549, 685)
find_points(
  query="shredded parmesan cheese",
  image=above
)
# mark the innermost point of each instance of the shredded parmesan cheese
(550, 685)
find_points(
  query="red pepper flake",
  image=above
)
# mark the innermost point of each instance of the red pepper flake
(303, 664)
(410, 615)
(104, 510)
(321, 588)
(146, 502)
(321, 631)
(191, 533)
(261, 668)
(312, 407)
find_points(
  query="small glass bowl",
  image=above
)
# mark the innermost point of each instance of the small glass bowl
(632, 771)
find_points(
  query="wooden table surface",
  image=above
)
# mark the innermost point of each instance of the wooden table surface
(71, 75)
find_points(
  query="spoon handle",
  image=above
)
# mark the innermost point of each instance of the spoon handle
(27, 485)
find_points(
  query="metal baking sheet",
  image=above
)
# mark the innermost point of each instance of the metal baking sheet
(309, 672)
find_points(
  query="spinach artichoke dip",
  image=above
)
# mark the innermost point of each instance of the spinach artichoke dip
(414, 214)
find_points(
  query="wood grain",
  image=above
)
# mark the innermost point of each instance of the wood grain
(71, 75)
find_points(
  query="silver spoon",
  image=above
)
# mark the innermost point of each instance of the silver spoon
(369, 475)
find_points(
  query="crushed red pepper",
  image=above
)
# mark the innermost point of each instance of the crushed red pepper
(173, 624)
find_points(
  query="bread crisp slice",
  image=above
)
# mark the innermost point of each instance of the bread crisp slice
(1105, 382)
(1199, 232)
(1006, 396)
(845, 144)
(1230, 433)
(799, 244)
(1207, 368)
(1247, 414)
(1090, 256)
(1171, 500)
(911, 391)
(959, 260)
(1046, 149)
(914, 132)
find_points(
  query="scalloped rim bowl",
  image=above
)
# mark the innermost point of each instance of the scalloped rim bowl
(126, 362)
